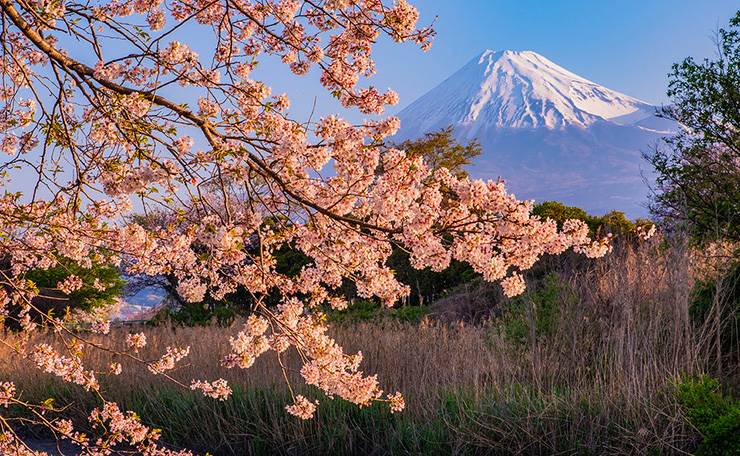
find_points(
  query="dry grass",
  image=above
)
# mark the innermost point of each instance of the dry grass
(598, 381)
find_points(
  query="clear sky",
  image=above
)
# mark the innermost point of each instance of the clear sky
(626, 45)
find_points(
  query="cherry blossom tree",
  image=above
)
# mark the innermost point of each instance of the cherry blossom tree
(108, 105)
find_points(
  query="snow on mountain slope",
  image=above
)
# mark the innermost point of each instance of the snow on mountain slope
(510, 89)
(551, 133)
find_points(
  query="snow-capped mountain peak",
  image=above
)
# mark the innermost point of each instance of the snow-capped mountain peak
(509, 89)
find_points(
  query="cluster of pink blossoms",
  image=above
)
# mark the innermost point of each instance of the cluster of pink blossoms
(249, 343)
(70, 284)
(645, 234)
(136, 341)
(168, 360)
(397, 402)
(302, 408)
(218, 389)
(101, 327)
(7, 392)
(121, 427)
(68, 368)
(513, 285)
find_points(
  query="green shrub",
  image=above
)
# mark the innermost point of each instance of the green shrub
(723, 436)
(370, 311)
(701, 400)
(715, 416)
(198, 314)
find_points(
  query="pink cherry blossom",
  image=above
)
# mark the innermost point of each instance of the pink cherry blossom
(302, 408)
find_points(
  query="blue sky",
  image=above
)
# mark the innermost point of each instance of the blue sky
(626, 45)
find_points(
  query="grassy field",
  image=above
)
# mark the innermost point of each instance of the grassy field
(584, 363)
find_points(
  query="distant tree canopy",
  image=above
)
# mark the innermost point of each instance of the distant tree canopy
(441, 150)
(87, 298)
(699, 169)
(614, 222)
(560, 212)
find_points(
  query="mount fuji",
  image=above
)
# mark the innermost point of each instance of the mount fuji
(551, 134)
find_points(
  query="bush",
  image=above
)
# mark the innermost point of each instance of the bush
(723, 436)
(701, 400)
(715, 416)
(370, 311)
(614, 222)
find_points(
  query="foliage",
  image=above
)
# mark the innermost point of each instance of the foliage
(699, 171)
(110, 286)
(723, 436)
(700, 397)
(560, 213)
(614, 222)
(427, 285)
(715, 416)
(440, 150)
(196, 314)
(373, 312)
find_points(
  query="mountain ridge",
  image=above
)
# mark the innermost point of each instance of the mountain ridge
(521, 89)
